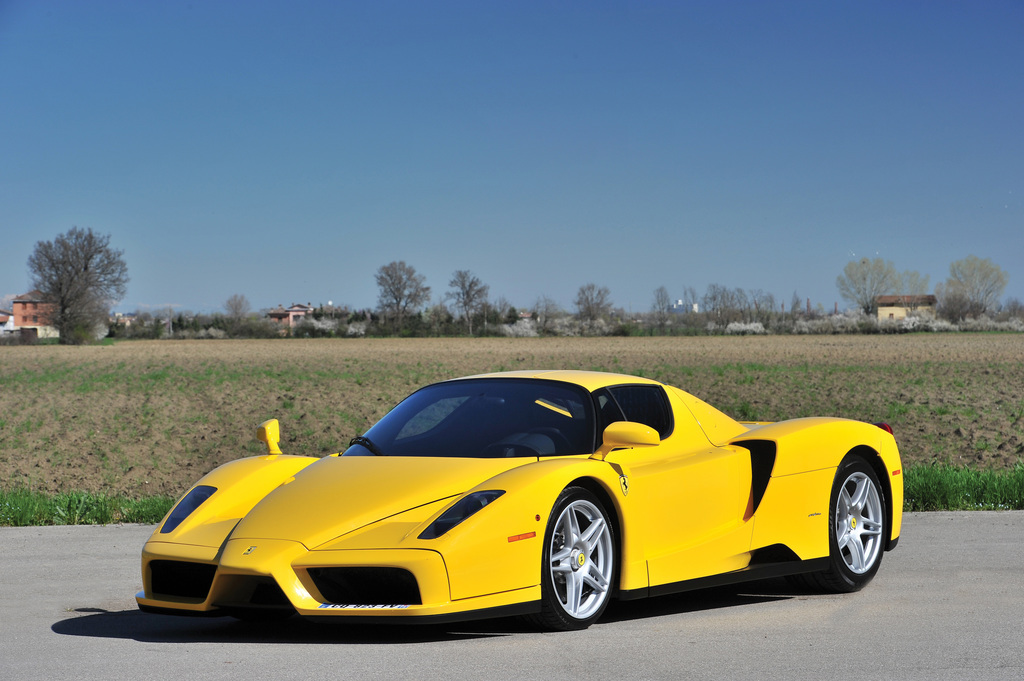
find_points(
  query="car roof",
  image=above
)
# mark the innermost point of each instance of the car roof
(717, 426)
(591, 380)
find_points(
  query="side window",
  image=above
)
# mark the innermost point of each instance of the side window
(608, 410)
(646, 404)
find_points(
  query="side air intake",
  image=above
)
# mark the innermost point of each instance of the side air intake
(762, 461)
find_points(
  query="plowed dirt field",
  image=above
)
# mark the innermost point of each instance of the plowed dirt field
(151, 417)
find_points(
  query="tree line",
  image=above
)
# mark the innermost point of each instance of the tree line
(972, 290)
(82, 275)
(967, 300)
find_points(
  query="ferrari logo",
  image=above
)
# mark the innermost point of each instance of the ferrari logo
(624, 484)
(248, 550)
(581, 559)
(853, 523)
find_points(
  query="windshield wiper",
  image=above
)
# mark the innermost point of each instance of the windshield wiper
(366, 442)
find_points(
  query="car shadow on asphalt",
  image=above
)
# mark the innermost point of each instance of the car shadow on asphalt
(153, 628)
(702, 600)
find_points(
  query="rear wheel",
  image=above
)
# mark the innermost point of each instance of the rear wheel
(857, 526)
(578, 567)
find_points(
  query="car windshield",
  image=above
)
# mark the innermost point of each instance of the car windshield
(485, 418)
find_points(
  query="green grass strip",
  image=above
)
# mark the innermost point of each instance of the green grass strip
(22, 507)
(949, 488)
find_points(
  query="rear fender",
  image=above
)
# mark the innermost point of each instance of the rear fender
(811, 447)
(811, 444)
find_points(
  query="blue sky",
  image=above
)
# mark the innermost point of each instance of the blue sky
(287, 150)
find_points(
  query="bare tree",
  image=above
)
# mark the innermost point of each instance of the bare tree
(238, 307)
(593, 303)
(401, 290)
(723, 305)
(438, 318)
(1013, 308)
(911, 286)
(741, 306)
(81, 276)
(763, 304)
(503, 310)
(794, 305)
(546, 312)
(862, 281)
(469, 295)
(953, 303)
(661, 308)
(973, 287)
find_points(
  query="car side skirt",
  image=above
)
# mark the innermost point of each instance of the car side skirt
(748, 574)
(513, 610)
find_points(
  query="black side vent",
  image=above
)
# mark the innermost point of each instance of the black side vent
(181, 579)
(366, 585)
(762, 461)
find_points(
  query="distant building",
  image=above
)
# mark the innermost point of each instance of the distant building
(122, 318)
(291, 315)
(898, 307)
(680, 307)
(6, 322)
(32, 312)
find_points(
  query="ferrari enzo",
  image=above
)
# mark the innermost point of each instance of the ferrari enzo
(537, 493)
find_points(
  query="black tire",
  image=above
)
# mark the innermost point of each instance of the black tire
(857, 529)
(578, 568)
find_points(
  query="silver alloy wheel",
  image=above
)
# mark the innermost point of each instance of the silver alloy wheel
(581, 559)
(859, 523)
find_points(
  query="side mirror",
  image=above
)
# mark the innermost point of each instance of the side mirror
(626, 435)
(269, 432)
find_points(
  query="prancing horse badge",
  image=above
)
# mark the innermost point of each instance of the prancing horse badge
(624, 484)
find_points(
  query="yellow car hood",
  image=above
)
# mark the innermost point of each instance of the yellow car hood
(337, 495)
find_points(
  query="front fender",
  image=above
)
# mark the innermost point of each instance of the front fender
(501, 547)
(240, 485)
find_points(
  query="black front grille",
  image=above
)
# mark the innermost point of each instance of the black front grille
(181, 579)
(366, 585)
(268, 593)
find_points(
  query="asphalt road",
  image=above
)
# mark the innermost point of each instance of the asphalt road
(947, 604)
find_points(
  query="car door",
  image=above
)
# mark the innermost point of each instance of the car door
(691, 498)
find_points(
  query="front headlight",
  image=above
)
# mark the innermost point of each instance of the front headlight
(184, 508)
(460, 510)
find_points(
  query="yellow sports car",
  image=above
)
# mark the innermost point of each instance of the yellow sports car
(538, 493)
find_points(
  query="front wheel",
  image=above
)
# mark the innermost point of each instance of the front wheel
(578, 567)
(857, 526)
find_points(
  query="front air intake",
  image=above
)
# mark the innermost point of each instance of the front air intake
(366, 586)
(181, 579)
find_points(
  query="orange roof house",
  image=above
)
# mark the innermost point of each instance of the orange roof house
(897, 307)
(31, 311)
(290, 315)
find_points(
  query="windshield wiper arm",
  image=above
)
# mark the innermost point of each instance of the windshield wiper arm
(366, 442)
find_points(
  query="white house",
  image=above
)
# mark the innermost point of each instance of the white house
(7, 322)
